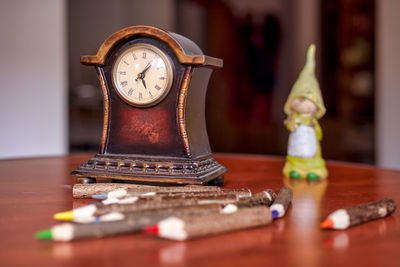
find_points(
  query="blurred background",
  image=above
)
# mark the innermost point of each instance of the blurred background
(50, 104)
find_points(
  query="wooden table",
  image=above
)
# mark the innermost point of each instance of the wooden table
(34, 189)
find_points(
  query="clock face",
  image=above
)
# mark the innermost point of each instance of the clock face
(142, 75)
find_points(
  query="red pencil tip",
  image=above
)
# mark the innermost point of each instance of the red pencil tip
(152, 229)
(327, 224)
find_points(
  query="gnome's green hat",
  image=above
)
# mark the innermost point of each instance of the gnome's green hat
(307, 85)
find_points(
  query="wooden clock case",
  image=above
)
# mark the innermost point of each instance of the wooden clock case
(164, 143)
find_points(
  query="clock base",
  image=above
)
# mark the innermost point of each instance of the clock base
(152, 170)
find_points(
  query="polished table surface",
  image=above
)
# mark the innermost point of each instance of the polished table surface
(34, 189)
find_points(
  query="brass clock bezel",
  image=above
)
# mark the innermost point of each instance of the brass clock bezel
(170, 74)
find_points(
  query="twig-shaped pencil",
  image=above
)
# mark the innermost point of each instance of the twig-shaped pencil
(139, 203)
(186, 228)
(265, 197)
(90, 212)
(123, 193)
(88, 190)
(127, 223)
(119, 223)
(345, 218)
(282, 202)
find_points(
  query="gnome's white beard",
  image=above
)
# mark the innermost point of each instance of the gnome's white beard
(302, 142)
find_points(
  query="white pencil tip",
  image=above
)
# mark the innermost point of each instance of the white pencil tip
(172, 228)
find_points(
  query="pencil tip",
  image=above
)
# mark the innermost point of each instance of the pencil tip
(327, 224)
(100, 196)
(152, 229)
(45, 234)
(64, 216)
(275, 214)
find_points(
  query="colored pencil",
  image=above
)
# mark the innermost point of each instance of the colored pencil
(187, 228)
(345, 218)
(92, 212)
(265, 197)
(119, 223)
(182, 211)
(88, 190)
(137, 204)
(282, 202)
(123, 193)
(70, 231)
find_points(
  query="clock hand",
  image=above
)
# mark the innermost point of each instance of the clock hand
(144, 83)
(147, 68)
(142, 74)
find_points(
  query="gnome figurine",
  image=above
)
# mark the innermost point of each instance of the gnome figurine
(303, 108)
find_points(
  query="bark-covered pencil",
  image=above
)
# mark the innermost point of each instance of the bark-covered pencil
(282, 202)
(139, 203)
(123, 193)
(265, 197)
(187, 228)
(115, 223)
(88, 190)
(118, 223)
(92, 212)
(345, 218)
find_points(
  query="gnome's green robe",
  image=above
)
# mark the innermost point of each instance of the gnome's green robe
(310, 164)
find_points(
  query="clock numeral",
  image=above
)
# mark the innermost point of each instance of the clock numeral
(140, 96)
(125, 62)
(124, 83)
(150, 94)
(144, 55)
(157, 87)
(122, 72)
(162, 78)
(130, 91)
(134, 56)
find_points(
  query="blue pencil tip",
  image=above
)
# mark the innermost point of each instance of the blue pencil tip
(100, 196)
(275, 214)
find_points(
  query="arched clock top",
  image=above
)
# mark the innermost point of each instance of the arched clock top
(187, 52)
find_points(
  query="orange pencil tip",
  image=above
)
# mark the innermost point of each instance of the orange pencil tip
(327, 224)
(153, 229)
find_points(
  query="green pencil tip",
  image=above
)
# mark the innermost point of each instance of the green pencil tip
(45, 234)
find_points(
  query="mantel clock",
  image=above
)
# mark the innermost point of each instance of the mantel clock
(154, 86)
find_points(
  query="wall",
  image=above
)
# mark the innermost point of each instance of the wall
(388, 84)
(305, 19)
(32, 78)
